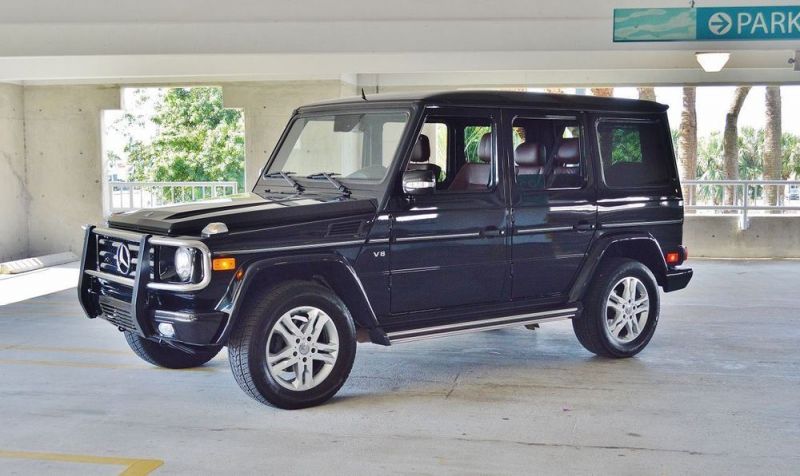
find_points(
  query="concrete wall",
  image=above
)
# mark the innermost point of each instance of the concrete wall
(720, 237)
(13, 192)
(267, 107)
(63, 138)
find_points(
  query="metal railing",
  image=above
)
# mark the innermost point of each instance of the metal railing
(124, 196)
(741, 197)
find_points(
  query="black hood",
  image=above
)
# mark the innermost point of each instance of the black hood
(239, 212)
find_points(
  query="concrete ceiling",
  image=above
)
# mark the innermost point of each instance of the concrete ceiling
(411, 41)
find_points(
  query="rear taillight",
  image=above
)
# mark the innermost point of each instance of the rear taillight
(674, 258)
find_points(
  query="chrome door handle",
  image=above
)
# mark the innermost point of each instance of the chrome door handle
(583, 226)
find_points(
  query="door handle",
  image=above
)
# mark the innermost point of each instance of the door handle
(583, 226)
(492, 232)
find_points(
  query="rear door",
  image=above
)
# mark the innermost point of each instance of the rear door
(553, 201)
(450, 248)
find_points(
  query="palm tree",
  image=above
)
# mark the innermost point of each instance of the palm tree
(687, 141)
(603, 92)
(730, 144)
(709, 167)
(773, 157)
(648, 94)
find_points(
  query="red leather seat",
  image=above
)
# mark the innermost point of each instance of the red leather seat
(476, 176)
(568, 157)
(529, 157)
(420, 156)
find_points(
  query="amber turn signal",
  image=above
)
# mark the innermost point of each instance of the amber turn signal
(223, 264)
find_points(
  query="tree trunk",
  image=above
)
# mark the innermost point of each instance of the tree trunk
(730, 146)
(648, 94)
(687, 142)
(772, 144)
(603, 92)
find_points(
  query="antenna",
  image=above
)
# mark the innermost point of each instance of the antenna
(363, 94)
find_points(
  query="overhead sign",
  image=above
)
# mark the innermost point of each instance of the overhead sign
(707, 24)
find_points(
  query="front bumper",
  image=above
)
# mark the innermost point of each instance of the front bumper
(677, 278)
(139, 303)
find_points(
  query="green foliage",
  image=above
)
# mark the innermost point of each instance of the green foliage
(472, 140)
(627, 145)
(751, 160)
(197, 140)
(790, 149)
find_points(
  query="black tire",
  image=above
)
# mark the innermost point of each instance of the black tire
(165, 356)
(247, 346)
(591, 329)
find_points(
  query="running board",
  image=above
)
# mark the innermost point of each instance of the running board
(483, 325)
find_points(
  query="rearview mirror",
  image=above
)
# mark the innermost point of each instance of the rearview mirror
(419, 182)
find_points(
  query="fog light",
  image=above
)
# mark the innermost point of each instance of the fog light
(166, 329)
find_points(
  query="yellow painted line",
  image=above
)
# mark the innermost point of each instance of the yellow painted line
(94, 365)
(71, 350)
(133, 466)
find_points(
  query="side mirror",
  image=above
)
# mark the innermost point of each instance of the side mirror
(419, 182)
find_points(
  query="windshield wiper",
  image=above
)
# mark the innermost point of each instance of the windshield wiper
(329, 177)
(286, 176)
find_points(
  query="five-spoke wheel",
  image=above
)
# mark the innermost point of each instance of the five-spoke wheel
(293, 347)
(627, 307)
(302, 348)
(620, 311)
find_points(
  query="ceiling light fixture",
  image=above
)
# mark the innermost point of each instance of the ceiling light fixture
(712, 62)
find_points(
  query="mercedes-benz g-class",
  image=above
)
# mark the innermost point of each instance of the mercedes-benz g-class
(392, 218)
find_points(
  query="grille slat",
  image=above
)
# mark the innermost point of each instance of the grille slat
(107, 249)
(117, 312)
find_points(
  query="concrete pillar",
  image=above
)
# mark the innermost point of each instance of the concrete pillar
(267, 107)
(13, 191)
(63, 148)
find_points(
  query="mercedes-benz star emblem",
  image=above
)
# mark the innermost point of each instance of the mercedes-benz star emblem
(123, 259)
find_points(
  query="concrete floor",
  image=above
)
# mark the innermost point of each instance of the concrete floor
(716, 392)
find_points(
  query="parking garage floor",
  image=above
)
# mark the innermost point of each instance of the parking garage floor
(716, 392)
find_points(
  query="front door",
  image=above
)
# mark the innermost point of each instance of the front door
(450, 248)
(553, 202)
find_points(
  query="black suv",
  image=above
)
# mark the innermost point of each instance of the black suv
(393, 218)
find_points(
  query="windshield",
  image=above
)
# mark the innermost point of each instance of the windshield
(353, 146)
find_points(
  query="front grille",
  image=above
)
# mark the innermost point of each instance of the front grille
(117, 312)
(109, 254)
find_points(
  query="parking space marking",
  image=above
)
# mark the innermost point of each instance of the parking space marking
(94, 365)
(133, 466)
(71, 350)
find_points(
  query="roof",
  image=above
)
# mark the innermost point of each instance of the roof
(505, 98)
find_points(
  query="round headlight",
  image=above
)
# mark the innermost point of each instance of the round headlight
(184, 262)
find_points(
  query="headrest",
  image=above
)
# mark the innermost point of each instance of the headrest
(422, 149)
(569, 151)
(529, 153)
(485, 148)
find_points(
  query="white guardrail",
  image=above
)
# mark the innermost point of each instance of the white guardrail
(124, 196)
(741, 197)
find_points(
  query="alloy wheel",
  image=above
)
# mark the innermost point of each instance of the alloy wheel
(302, 348)
(627, 310)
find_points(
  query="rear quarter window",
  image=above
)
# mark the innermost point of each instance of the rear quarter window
(634, 154)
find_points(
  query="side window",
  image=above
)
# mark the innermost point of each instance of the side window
(634, 154)
(547, 153)
(460, 151)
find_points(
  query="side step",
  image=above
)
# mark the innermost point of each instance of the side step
(483, 325)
